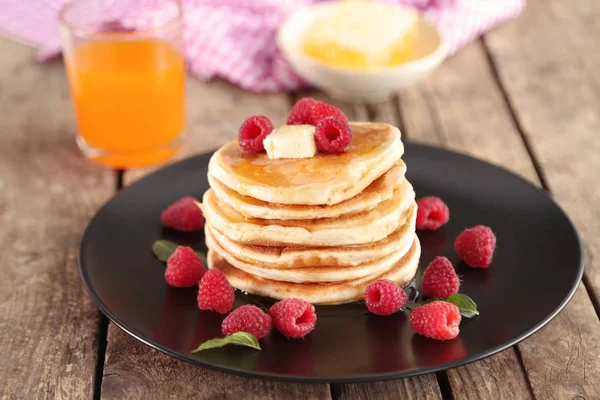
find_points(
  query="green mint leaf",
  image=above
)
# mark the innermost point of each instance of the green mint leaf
(162, 249)
(465, 304)
(238, 338)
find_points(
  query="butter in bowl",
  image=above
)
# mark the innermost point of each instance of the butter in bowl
(359, 50)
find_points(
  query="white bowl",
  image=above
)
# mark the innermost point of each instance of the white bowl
(367, 86)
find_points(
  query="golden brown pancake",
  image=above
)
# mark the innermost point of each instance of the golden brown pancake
(324, 179)
(322, 273)
(316, 293)
(380, 190)
(334, 256)
(364, 227)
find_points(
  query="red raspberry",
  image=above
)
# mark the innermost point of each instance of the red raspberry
(183, 215)
(333, 135)
(249, 319)
(309, 111)
(476, 246)
(432, 213)
(440, 279)
(437, 320)
(184, 268)
(384, 297)
(301, 112)
(295, 318)
(252, 133)
(215, 293)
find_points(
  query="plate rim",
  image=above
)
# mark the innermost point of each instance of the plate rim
(327, 379)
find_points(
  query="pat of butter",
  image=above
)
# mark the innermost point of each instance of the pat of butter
(370, 29)
(291, 141)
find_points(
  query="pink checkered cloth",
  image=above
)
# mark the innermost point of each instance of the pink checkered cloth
(235, 39)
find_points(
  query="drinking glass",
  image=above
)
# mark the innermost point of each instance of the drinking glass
(124, 60)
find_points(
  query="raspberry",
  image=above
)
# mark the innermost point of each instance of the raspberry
(437, 320)
(439, 279)
(249, 319)
(184, 268)
(252, 133)
(294, 318)
(309, 111)
(384, 297)
(183, 215)
(476, 246)
(215, 293)
(432, 213)
(333, 135)
(301, 112)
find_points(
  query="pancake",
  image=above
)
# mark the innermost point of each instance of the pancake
(324, 179)
(323, 273)
(336, 256)
(316, 293)
(364, 227)
(380, 190)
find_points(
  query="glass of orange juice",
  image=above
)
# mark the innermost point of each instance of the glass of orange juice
(126, 72)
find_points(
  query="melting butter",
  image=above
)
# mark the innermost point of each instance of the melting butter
(291, 141)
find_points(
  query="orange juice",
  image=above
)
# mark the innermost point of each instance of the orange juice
(129, 99)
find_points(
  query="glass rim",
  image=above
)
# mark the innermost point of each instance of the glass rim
(78, 31)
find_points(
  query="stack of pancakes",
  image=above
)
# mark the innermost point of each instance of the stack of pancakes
(319, 228)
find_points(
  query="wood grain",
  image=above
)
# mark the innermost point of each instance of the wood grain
(548, 64)
(497, 377)
(469, 114)
(135, 371)
(563, 359)
(423, 387)
(48, 192)
(466, 113)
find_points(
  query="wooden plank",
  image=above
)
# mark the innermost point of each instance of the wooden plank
(48, 191)
(550, 75)
(133, 370)
(421, 387)
(469, 114)
(466, 113)
(563, 360)
(497, 377)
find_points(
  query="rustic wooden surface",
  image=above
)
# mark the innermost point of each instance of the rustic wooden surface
(49, 328)
(525, 97)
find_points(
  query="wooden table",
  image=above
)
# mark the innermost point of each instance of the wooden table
(526, 97)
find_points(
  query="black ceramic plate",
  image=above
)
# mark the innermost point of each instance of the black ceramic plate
(536, 268)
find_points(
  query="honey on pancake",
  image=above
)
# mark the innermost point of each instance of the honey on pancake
(259, 168)
(360, 204)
